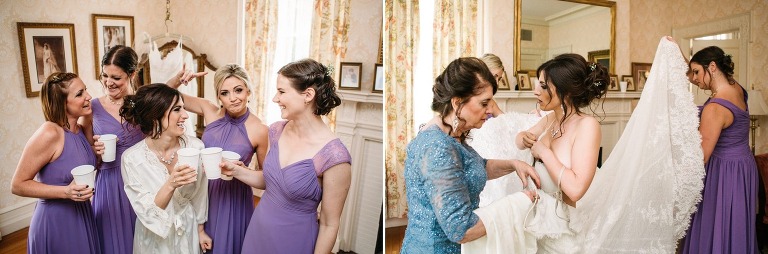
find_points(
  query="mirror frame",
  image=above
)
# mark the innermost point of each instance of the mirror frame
(604, 3)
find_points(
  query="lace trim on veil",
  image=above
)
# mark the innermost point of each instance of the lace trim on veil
(642, 198)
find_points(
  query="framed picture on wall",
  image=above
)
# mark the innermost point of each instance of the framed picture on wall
(45, 48)
(640, 73)
(630, 82)
(524, 82)
(349, 76)
(110, 31)
(614, 85)
(378, 79)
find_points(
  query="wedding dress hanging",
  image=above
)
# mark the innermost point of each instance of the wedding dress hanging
(163, 69)
(642, 199)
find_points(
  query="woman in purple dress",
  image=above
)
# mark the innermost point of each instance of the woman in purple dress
(312, 166)
(63, 220)
(232, 127)
(115, 218)
(725, 220)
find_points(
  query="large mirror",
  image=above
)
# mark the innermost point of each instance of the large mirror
(547, 28)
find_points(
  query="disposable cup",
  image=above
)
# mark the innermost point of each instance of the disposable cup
(110, 143)
(229, 156)
(189, 156)
(623, 86)
(84, 175)
(211, 157)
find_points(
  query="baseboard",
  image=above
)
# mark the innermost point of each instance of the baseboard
(17, 216)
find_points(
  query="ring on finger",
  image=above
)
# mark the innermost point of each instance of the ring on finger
(79, 194)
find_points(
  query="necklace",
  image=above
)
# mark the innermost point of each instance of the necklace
(162, 158)
(113, 101)
(555, 131)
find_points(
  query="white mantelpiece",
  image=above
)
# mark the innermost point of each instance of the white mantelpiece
(359, 125)
(613, 114)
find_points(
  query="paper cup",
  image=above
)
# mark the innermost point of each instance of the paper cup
(110, 143)
(229, 156)
(85, 175)
(189, 156)
(211, 157)
(623, 86)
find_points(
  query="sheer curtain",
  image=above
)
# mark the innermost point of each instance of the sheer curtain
(293, 33)
(261, 33)
(401, 29)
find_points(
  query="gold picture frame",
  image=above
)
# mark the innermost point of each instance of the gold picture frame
(603, 57)
(350, 75)
(45, 48)
(109, 31)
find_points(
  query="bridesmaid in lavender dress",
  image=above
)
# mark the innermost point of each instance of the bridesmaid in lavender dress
(313, 166)
(63, 220)
(233, 128)
(115, 219)
(725, 220)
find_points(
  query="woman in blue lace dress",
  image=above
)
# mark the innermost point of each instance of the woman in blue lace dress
(444, 175)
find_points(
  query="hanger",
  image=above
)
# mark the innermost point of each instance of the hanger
(168, 35)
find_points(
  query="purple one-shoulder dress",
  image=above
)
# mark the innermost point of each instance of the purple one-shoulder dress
(115, 219)
(285, 221)
(230, 203)
(64, 225)
(725, 219)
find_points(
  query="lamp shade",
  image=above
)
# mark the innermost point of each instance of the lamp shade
(756, 104)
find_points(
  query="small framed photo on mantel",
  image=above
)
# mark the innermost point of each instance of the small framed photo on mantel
(349, 76)
(378, 79)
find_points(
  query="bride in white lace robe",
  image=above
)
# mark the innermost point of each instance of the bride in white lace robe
(642, 198)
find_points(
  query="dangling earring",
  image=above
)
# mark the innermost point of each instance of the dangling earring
(455, 124)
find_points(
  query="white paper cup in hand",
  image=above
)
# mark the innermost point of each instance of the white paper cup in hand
(229, 156)
(211, 157)
(84, 175)
(189, 156)
(110, 143)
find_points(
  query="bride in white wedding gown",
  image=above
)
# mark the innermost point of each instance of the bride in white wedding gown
(641, 199)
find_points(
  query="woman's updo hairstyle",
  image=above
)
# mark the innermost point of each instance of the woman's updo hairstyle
(308, 73)
(123, 57)
(721, 59)
(463, 78)
(147, 107)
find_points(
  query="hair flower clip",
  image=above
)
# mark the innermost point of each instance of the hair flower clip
(592, 66)
(329, 70)
(597, 83)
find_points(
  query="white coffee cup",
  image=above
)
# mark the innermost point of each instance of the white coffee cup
(110, 149)
(229, 156)
(623, 86)
(189, 156)
(84, 175)
(211, 157)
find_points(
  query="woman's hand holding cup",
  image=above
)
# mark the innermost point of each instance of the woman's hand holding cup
(182, 175)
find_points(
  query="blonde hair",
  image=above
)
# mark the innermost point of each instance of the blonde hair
(227, 71)
(492, 61)
(53, 96)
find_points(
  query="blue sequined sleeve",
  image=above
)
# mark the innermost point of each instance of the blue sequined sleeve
(443, 173)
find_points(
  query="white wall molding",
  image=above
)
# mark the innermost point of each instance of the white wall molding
(16, 217)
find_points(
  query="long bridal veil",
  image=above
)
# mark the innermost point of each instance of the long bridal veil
(642, 198)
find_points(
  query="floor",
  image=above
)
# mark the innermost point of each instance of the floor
(16, 242)
(393, 239)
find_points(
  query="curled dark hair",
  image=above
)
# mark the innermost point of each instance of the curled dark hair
(123, 57)
(577, 81)
(462, 78)
(308, 73)
(147, 107)
(719, 57)
(53, 96)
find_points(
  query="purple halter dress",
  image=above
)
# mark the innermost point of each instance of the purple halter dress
(230, 203)
(285, 221)
(725, 219)
(64, 225)
(115, 218)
